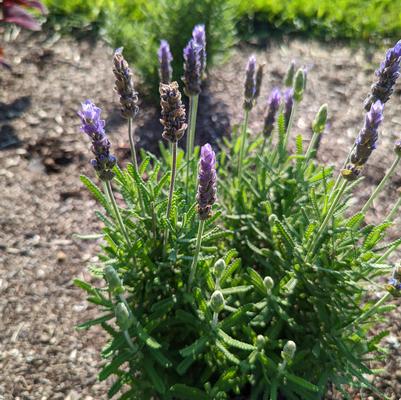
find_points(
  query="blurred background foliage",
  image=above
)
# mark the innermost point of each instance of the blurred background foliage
(139, 25)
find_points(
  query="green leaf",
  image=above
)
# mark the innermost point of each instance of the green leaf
(112, 368)
(301, 382)
(195, 348)
(256, 281)
(154, 376)
(236, 289)
(230, 356)
(186, 392)
(96, 192)
(96, 321)
(229, 341)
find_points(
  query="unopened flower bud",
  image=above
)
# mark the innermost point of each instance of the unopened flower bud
(289, 76)
(114, 281)
(289, 350)
(217, 301)
(260, 342)
(299, 85)
(269, 283)
(123, 316)
(319, 123)
(219, 267)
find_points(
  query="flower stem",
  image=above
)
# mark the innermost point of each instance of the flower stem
(243, 139)
(193, 109)
(117, 215)
(192, 127)
(394, 210)
(371, 310)
(311, 146)
(329, 214)
(196, 255)
(132, 144)
(289, 126)
(381, 185)
(172, 179)
(134, 159)
(171, 191)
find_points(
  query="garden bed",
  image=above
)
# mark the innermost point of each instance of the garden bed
(43, 204)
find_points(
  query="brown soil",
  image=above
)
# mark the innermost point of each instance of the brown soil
(43, 204)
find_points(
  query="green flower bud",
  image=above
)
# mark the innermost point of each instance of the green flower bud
(123, 316)
(114, 281)
(299, 85)
(269, 283)
(217, 301)
(260, 342)
(319, 123)
(219, 267)
(289, 76)
(289, 350)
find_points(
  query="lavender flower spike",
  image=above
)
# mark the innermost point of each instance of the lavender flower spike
(365, 143)
(124, 85)
(367, 138)
(250, 83)
(173, 112)
(273, 104)
(207, 179)
(199, 36)
(93, 126)
(165, 58)
(388, 74)
(288, 104)
(192, 69)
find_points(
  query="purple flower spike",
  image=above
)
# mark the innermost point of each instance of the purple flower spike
(165, 58)
(388, 74)
(124, 85)
(199, 36)
(207, 180)
(367, 139)
(93, 126)
(192, 69)
(250, 83)
(288, 104)
(273, 104)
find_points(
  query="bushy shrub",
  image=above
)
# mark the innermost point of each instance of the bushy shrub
(265, 295)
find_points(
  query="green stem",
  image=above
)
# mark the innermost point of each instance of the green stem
(193, 109)
(243, 140)
(381, 185)
(329, 214)
(172, 179)
(394, 210)
(289, 126)
(132, 144)
(134, 159)
(171, 192)
(311, 146)
(339, 176)
(371, 310)
(192, 272)
(192, 127)
(117, 215)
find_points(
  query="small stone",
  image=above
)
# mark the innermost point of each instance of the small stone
(61, 256)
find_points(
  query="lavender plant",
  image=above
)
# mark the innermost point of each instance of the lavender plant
(263, 293)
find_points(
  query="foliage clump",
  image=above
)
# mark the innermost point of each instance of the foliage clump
(244, 274)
